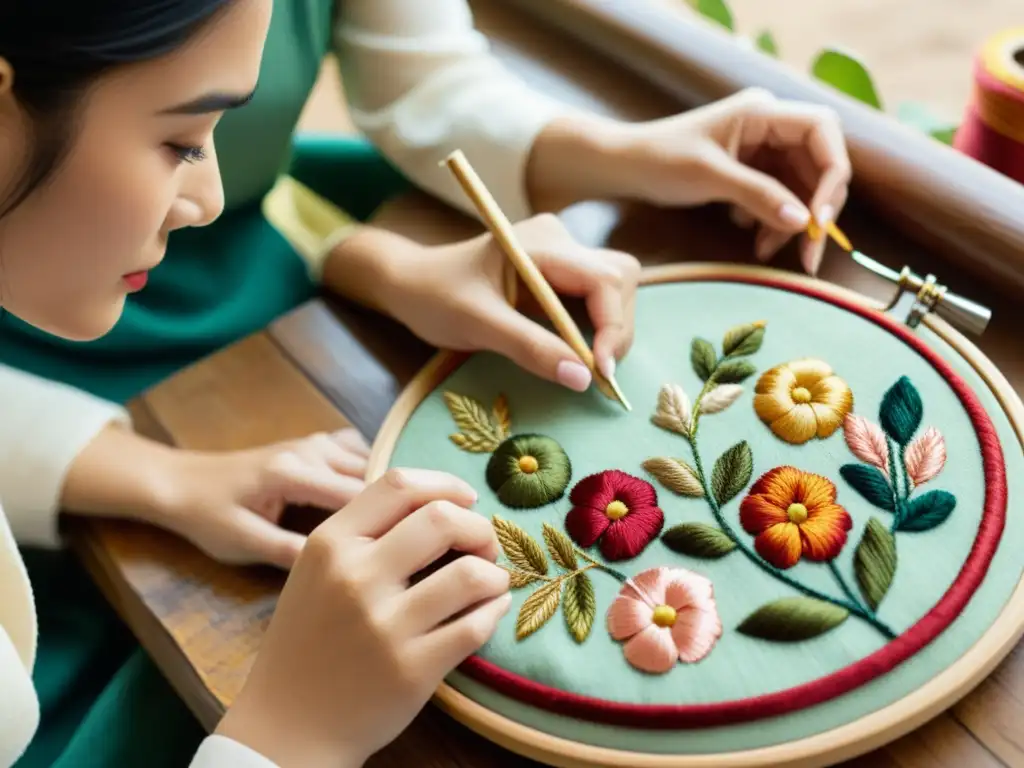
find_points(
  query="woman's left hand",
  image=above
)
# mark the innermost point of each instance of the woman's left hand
(452, 296)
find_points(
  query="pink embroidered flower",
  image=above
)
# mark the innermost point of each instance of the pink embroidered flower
(665, 615)
(617, 508)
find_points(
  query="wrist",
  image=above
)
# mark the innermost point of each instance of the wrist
(365, 267)
(580, 157)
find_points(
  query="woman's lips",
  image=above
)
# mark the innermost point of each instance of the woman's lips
(136, 281)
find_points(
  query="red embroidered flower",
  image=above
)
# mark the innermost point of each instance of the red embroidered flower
(794, 513)
(617, 508)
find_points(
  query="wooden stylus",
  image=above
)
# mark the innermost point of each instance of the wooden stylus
(501, 228)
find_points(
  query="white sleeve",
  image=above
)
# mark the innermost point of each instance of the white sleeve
(44, 426)
(421, 82)
(218, 751)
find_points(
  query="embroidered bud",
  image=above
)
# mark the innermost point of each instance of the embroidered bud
(528, 471)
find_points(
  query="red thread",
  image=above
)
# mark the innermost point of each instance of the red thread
(993, 127)
(670, 716)
(598, 500)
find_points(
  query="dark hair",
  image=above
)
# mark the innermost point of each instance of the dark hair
(57, 49)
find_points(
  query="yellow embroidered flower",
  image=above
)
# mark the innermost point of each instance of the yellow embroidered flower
(801, 399)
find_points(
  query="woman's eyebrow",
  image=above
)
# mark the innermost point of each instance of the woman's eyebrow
(211, 102)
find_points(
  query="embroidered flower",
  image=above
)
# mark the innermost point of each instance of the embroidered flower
(617, 508)
(801, 399)
(794, 514)
(665, 615)
(528, 471)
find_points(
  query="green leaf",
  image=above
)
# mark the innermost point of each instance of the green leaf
(927, 511)
(870, 483)
(519, 547)
(846, 74)
(734, 371)
(732, 472)
(743, 339)
(874, 562)
(560, 546)
(901, 411)
(698, 540)
(921, 117)
(792, 619)
(579, 606)
(537, 609)
(945, 135)
(703, 358)
(766, 42)
(716, 10)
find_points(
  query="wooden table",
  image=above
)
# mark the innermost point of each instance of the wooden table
(327, 365)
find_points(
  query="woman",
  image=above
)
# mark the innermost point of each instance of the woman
(420, 83)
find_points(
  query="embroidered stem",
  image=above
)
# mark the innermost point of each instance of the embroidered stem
(900, 490)
(708, 386)
(853, 607)
(846, 589)
(601, 566)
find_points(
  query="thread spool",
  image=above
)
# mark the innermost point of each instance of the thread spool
(993, 126)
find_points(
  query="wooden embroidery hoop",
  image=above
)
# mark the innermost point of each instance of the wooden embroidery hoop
(847, 741)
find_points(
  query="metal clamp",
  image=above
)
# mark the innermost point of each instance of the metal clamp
(926, 295)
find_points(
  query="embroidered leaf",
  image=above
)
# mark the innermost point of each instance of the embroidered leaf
(734, 371)
(676, 475)
(698, 540)
(720, 398)
(560, 547)
(518, 579)
(537, 609)
(519, 547)
(792, 619)
(502, 417)
(732, 472)
(673, 411)
(874, 562)
(579, 606)
(703, 358)
(870, 483)
(867, 442)
(901, 411)
(926, 456)
(479, 432)
(743, 339)
(927, 511)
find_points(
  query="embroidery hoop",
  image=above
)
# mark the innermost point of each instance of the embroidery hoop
(844, 742)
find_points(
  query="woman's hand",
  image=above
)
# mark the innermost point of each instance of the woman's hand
(354, 651)
(228, 504)
(452, 296)
(769, 159)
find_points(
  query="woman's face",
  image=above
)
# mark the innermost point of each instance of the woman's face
(141, 164)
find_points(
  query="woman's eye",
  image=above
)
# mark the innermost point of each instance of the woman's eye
(188, 154)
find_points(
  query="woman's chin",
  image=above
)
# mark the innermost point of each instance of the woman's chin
(74, 324)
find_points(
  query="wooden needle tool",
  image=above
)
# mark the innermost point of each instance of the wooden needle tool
(501, 229)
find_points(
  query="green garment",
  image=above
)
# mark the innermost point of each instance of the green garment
(103, 701)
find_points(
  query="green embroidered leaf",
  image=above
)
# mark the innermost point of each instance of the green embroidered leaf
(676, 475)
(715, 10)
(732, 472)
(698, 540)
(518, 579)
(479, 433)
(734, 371)
(927, 511)
(560, 547)
(792, 619)
(766, 42)
(844, 73)
(901, 411)
(537, 609)
(519, 547)
(870, 483)
(703, 358)
(579, 606)
(743, 339)
(874, 562)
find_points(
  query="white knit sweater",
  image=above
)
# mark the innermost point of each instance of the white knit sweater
(426, 84)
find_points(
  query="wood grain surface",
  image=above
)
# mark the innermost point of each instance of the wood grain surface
(326, 365)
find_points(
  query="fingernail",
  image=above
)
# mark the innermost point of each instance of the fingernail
(794, 215)
(608, 367)
(573, 375)
(505, 602)
(825, 215)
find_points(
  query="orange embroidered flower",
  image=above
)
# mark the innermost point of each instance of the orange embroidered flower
(794, 514)
(801, 399)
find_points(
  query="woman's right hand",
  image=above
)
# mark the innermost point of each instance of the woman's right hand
(354, 651)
